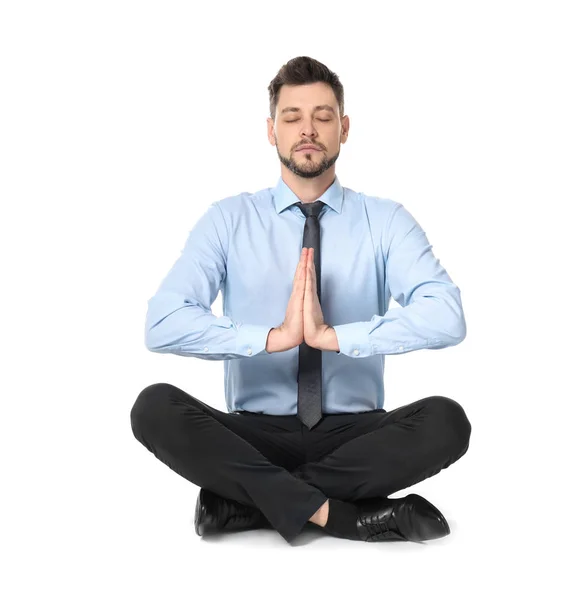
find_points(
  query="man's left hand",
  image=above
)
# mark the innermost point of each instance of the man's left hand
(315, 331)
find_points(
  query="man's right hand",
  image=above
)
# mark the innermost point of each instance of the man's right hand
(290, 333)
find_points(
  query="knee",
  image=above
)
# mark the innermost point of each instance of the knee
(146, 408)
(453, 420)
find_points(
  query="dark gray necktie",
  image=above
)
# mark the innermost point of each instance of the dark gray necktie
(309, 375)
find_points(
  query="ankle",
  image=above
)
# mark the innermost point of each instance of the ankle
(343, 519)
(320, 517)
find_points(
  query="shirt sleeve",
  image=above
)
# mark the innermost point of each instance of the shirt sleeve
(430, 313)
(179, 319)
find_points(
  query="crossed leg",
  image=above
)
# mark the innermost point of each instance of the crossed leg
(401, 448)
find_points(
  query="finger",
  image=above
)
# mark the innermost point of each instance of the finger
(308, 279)
(301, 259)
(311, 274)
(300, 264)
(299, 285)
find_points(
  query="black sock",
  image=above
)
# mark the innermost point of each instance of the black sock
(342, 519)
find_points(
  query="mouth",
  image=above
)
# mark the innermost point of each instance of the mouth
(308, 149)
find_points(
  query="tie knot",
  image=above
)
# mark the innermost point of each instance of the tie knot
(311, 209)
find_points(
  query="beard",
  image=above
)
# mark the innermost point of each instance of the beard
(308, 168)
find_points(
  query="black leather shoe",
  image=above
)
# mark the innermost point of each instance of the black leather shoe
(215, 513)
(411, 518)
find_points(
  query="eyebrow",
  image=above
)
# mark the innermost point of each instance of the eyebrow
(319, 107)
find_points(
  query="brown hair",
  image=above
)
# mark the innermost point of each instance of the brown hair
(302, 70)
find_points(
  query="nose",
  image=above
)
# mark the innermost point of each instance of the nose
(308, 129)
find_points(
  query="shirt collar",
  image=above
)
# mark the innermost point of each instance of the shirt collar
(285, 197)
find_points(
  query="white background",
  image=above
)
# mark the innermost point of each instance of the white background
(122, 121)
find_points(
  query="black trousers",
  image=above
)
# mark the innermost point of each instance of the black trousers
(287, 471)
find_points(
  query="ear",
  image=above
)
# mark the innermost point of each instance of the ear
(345, 128)
(270, 131)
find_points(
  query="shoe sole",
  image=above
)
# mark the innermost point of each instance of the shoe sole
(197, 517)
(200, 514)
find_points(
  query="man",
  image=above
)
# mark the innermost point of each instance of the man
(306, 437)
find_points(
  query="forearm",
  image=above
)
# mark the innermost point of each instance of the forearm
(191, 330)
(429, 322)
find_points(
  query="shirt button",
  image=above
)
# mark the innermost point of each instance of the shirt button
(356, 352)
(249, 351)
(400, 348)
(205, 348)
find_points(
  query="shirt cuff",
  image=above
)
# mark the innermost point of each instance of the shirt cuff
(252, 339)
(354, 340)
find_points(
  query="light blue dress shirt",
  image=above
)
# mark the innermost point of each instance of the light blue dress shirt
(248, 246)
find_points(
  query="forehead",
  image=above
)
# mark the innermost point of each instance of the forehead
(306, 97)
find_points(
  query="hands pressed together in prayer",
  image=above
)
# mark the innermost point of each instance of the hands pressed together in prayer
(304, 319)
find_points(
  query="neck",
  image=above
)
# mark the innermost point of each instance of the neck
(308, 190)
